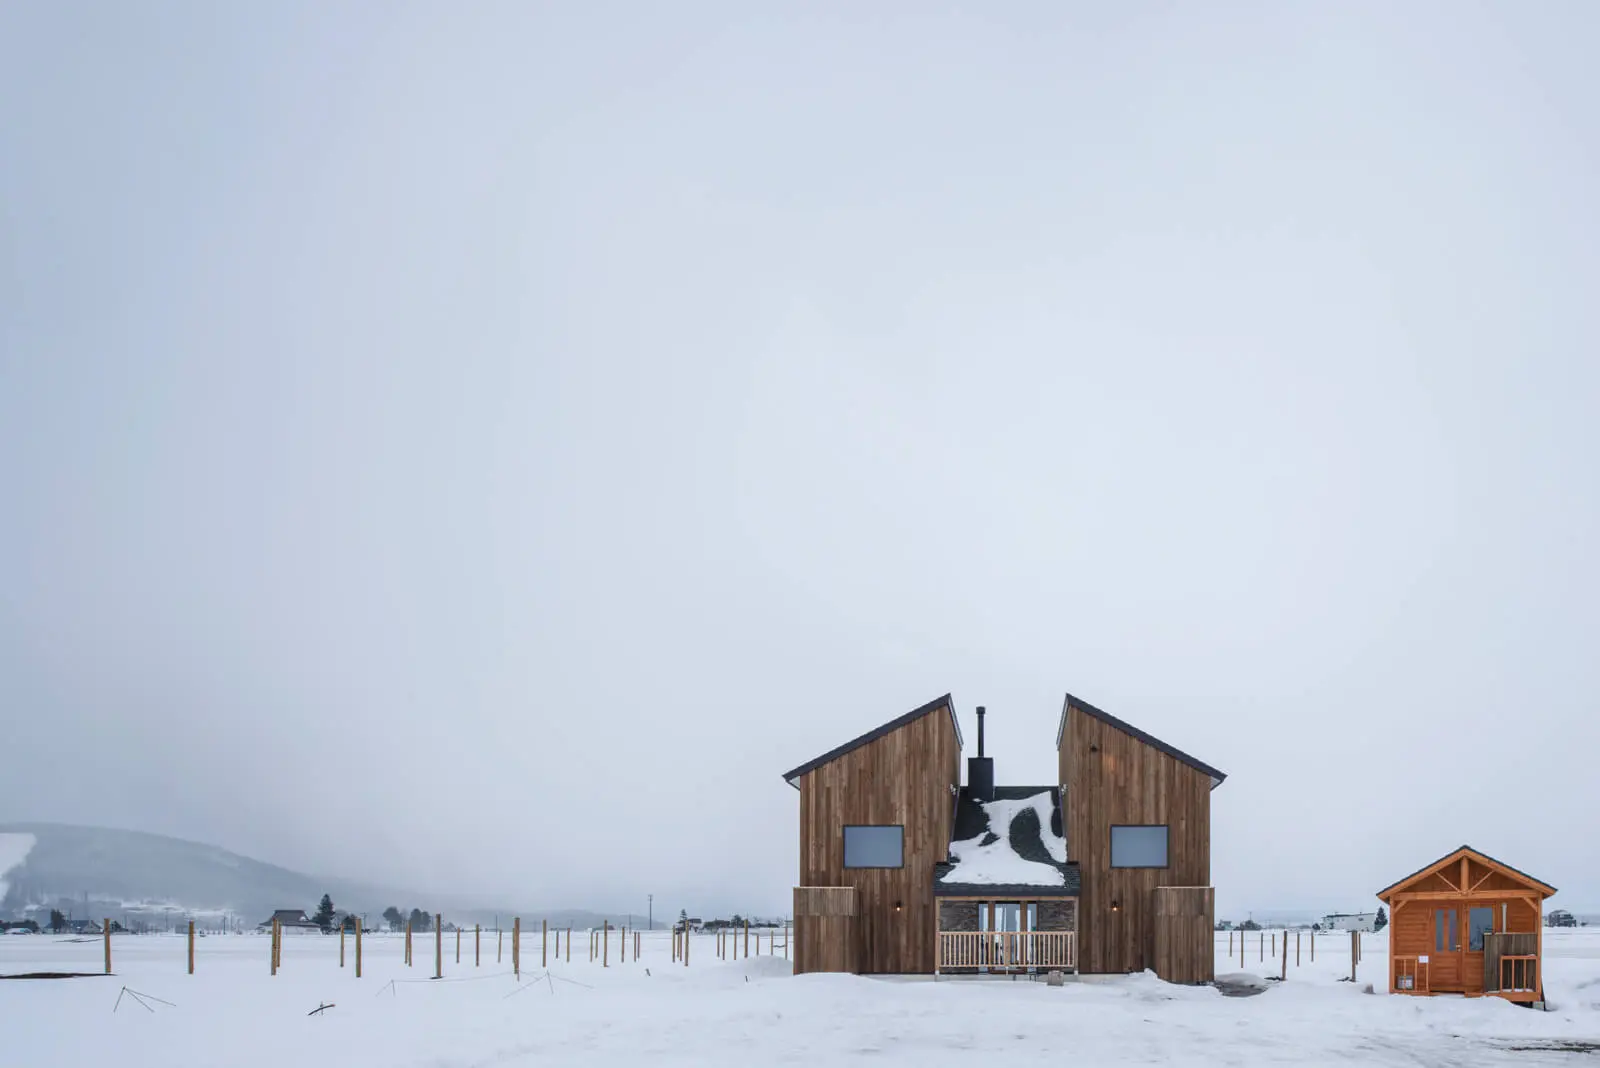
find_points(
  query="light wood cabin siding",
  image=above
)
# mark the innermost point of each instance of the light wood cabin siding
(1419, 907)
(1112, 778)
(901, 778)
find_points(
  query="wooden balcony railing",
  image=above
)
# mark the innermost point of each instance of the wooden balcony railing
(1519, 974)
(1410, 975)
(1008, 950)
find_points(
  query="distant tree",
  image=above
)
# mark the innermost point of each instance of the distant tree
(1382, 920)
(394, 918)
(350, 922)
(1249, 925)
(58, 922)
(116, 925)
(323, 917)
(421, 922)
(737, 921)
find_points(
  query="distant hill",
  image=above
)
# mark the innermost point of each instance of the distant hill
(153, 879)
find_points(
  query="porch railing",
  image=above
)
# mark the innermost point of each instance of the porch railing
(1411, 975)
(1008, 950)
(1519, 974)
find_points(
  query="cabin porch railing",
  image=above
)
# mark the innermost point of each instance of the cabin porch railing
(1519, 974)
(1410, 975)
(1008, 950)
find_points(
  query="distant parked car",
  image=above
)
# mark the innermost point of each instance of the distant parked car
(19, 930)
(1560, 918)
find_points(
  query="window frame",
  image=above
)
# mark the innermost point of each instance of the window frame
(1480, 934)
(1166, 847)
(844, 846)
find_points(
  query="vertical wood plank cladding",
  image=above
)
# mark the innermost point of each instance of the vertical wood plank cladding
(1113, 778)
(1185, 948)
(902, 778)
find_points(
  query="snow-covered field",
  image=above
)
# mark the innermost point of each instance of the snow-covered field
(747, 1012)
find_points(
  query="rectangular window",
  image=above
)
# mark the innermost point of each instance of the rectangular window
(1479, 922)
(1139, 847)
(1446, 939)
(874, 847)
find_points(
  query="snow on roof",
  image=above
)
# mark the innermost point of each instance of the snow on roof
(991, 859)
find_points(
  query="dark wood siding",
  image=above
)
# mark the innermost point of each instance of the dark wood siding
(902, 778)
(1112, 778)
(1185, 948)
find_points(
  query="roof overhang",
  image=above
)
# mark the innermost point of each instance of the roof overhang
(1537, 885)
(1129, 729)
(793, 777)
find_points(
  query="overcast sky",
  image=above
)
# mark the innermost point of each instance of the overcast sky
(482, 446)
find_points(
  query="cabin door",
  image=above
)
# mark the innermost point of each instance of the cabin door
(1445, 971)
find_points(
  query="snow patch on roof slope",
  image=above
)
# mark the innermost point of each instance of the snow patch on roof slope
(14, 849)
(997, 863)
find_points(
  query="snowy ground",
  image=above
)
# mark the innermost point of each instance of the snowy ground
(746, 1012)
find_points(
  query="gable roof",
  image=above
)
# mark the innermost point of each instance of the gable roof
(1483, 858)
(1134, 732)
(792, 777)
(1017, 859)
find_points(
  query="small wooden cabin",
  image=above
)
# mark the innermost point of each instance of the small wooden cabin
(1467, 924)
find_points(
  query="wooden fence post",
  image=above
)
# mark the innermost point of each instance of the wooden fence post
(1313, 947)
(1274, 943)
(358, 949)
(685, 945)
(191, 947)
(569, 944)
(1355, 953)
(499, 943)
(1261, 944)
(341, 945)
(544, 943)
(605, 952)
(747, 938)
(438, 946)
(1241, 948)
(477, 946)
(274, 949)
(408, 943)
(1283, 971)
(516, 946)
(1297, 949)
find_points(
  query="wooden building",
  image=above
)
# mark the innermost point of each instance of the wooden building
(1467, 924)
(1138, 820)
(905, 870)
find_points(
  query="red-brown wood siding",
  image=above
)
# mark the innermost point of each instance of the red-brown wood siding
(902, 778)
(1113, 778)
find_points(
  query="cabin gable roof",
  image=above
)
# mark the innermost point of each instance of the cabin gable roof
(946, 702)
(1543, 888)
(1135, 733)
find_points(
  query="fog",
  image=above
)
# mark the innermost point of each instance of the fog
(482, 447)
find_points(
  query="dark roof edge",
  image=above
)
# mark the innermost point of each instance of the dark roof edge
(1134, 732)
(878, 732)
(1467, 849)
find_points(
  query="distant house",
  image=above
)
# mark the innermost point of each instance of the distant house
(1560, 918)
(290, 921)
(83, 927)
(1350, 921)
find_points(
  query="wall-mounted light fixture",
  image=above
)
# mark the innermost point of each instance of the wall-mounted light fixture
(897, 906)
(1094, 748)
(1116, 906)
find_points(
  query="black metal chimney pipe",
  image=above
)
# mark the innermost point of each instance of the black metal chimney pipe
(980, 769)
